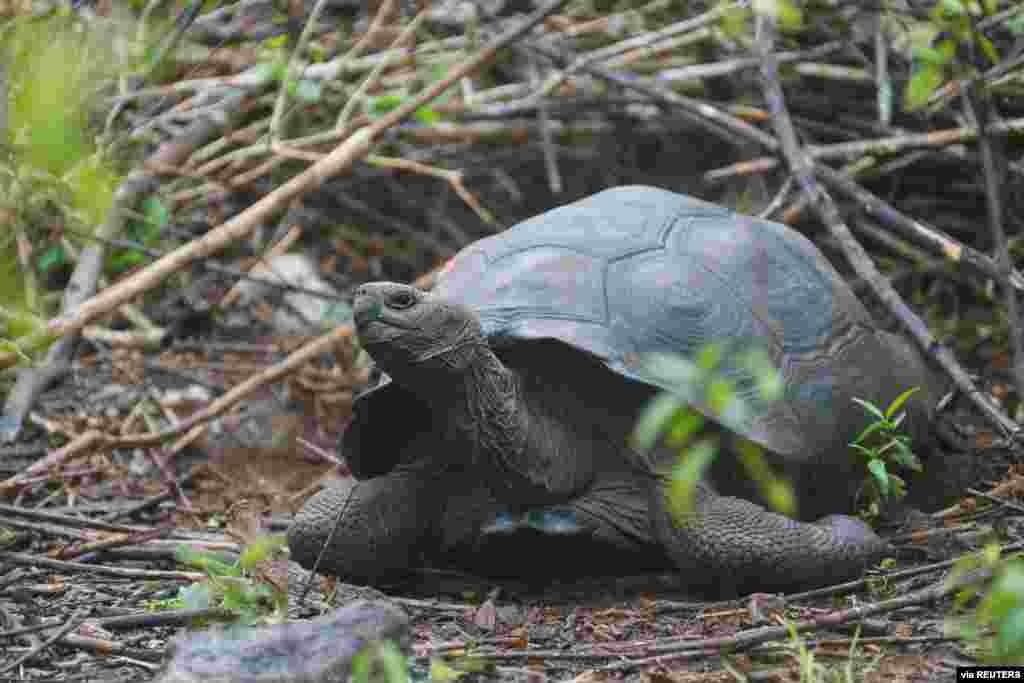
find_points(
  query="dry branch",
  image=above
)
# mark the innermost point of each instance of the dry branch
(355, 147)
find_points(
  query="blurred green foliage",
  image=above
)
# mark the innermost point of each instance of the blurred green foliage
(993, 611)
(938, 42)
(234, 585)
(55, 182)
(669, 416)
(385, 657)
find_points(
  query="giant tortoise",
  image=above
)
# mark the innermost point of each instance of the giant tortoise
(499, 439)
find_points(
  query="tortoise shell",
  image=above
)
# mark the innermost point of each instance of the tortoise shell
(635, 270)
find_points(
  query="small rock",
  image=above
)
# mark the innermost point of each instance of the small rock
(318, 651)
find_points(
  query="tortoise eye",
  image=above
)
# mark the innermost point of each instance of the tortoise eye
(402, 300)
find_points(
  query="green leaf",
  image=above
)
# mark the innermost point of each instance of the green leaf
(47, 109)
(1015, 25)
(779, 495)
(655, 415)
(789, 17)
(382, 104)
(1007, 591)
(125, 259)
(54, 257)
(1009, 642)
(685, 477)
(786, 14)
(308, 91)
(277, 42)
(93, 183)
(204, 561)
(777, 491)
(684, 424)
(396, 669)
(868, 431)
(868, 452)
(157, 214)
(924, 56)
(904, 457)
(988, 49)
(996, 605)
(427, 116)
(262, 548)
(237, 595)
(770, 386)
(278, 70)
(735, 22)
(898, 402)
(887, 446)
(870, 408)
(947, 48)
(881, 474)
(361, 666)
(709, 357)
(196, 595)
(671, 370)
(440, 672)
(720, 394)
(899, 487)
(952, 8)
(264, 72)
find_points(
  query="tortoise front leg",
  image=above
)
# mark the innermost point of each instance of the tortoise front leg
(387, 524)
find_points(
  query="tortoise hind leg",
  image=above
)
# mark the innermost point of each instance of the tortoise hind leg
(730, 545)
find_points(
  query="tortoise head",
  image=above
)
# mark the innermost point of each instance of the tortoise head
(412, 334)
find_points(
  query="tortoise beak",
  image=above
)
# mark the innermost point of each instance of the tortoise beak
(369, 305)
(366, 309)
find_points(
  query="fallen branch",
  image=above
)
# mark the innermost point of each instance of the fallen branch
(340, 159)
(803, 169)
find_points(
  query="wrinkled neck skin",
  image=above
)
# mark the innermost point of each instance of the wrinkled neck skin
(488, 426)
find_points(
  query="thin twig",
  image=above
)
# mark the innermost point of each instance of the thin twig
(339, 160)
(978, 113)
(291, 71)
(26, 560)
(74, 622)
(886, 146)
(750, 638)
(938, 242)
(803, 169)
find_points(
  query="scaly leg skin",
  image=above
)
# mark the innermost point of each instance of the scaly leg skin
(730, 545)
(387, 525)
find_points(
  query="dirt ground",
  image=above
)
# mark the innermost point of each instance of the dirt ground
(117, 504)
(247, 474)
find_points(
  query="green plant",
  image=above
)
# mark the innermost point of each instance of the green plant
(950, 27)
(56, 183)
(707, 380)
(234, 585)
(882, 445)
(383, 657)
(995, 627)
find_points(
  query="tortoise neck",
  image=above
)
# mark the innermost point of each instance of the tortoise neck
(487, 401)
(488, 415)
(507, 442)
